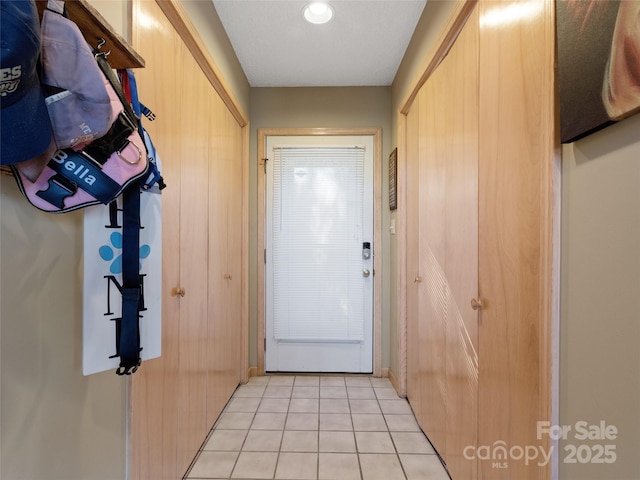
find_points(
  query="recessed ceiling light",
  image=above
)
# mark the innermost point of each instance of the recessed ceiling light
(318, 12)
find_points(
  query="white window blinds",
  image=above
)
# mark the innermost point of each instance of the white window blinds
(317, 221)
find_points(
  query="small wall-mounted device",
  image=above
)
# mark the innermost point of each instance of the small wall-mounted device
(366, 250)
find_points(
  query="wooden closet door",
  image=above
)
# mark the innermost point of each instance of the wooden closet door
(489, 133)
(442, 199)
(460, 72)
(432, 292)
(194, 208)
(218, 259)
(234, 249)
(225, 250)
(177, 397)
(154, 387)
(518, 146)
(414, 392)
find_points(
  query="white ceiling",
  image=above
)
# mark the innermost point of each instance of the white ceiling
(362, 46)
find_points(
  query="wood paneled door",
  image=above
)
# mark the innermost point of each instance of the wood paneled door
(518, 264)
(479, 132)
(442, 259)
(201, 141)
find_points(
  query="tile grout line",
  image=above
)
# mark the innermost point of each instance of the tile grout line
(286, 416)
(235, 464)
(395, 447)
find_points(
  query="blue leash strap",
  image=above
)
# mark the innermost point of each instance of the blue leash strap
(129, 334)
(128, 341)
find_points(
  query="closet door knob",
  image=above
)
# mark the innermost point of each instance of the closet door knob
(476, 303)
(227, 276)
(179, 291)
(418, 279)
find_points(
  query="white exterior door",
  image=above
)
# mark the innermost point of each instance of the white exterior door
(319, 254)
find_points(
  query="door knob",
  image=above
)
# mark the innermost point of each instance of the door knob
(476, 303)
(227, 276)
(418, 279)
(366, 272)
(179, 291)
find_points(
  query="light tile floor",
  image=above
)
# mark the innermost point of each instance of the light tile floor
(309, 427)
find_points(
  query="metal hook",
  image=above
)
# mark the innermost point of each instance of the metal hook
(101, 43)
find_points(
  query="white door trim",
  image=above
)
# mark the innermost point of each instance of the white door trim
(377, 230)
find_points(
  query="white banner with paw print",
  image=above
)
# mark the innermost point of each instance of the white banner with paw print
(102, 302)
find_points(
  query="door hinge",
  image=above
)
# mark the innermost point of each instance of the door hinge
(265, 344)
(265, 256)
(264, 164)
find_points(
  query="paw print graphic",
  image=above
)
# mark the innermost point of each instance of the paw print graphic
(108, 254)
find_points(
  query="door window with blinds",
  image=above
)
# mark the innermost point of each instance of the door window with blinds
(318, 286)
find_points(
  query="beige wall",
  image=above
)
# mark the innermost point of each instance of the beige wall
(319, 107)
(600, 324)
(429, 27)
(206, 20)
(56, 424)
